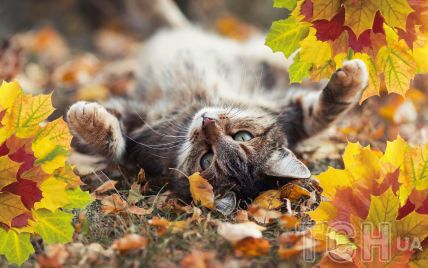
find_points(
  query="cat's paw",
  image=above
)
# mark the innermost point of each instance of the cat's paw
(93, 124)
(350, 81)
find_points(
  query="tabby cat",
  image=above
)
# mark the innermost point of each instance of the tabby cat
(215, 106)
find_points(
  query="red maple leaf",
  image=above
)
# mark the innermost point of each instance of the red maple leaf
(330, 30)
(307, 9)
(27, 190)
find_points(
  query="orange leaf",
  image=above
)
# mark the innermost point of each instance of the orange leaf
(252, 247)
(201, 190)
(130, 242)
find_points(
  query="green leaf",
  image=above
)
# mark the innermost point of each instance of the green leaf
(299, 70)
(53, 227)
(78, 199)
(288, 4)
(285, 35)
(16, 247)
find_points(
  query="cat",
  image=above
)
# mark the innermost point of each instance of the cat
(212, 105)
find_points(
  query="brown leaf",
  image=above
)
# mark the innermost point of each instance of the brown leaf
(252, 247)
(197, 259)
(139, 211)
(106, 186)
(262, 215)
(113, 204)
(130, 242)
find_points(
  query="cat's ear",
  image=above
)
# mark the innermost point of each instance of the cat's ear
(285, 164)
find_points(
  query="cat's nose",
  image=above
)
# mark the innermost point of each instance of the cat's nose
(207, 120)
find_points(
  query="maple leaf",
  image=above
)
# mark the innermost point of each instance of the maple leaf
(54, 194)
(325, 9)
(35, 182)
(10, 207)
(26, 114)
(395, 12)
(360, 15)
(314, 51)
(201, 190)
(285, 35)
(53, 227)
(8, 171)
(397, 64)
(15, 246)
(9, 92)
(299, 69)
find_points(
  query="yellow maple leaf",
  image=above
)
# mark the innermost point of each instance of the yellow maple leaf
(51, 145)
(10, 207)
(201, 190)
(325, 9)
(27, 113)
(395, 12)
(8, 170)
(413, 225)
(314, 51)
(8, 93)
(362, 166)
(396, 62)
(54, 194)
(360, 14)
(383, 208)
(420, 55)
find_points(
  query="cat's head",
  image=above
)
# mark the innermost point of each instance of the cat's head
(238, 149)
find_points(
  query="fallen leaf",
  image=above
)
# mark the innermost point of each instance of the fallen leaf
(236, 232)
(252, 247)
(201, 190)
(197, 259)
(106, 186)
(113, 204)
(268, 200)
(162, 225)
(263, 216)
(130, 242)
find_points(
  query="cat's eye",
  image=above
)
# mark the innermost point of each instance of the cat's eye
(243, 136)
(206, 160)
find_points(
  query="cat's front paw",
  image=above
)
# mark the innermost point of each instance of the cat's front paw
(93, 124)
(349, 82)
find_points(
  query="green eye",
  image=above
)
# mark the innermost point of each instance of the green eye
(206, 160)
(243, 136)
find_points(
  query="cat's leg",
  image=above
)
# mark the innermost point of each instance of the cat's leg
(97, 128)
(342, 92)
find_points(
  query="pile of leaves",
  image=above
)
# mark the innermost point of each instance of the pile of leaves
(38, 189)
(389, 36)
(375, 197)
